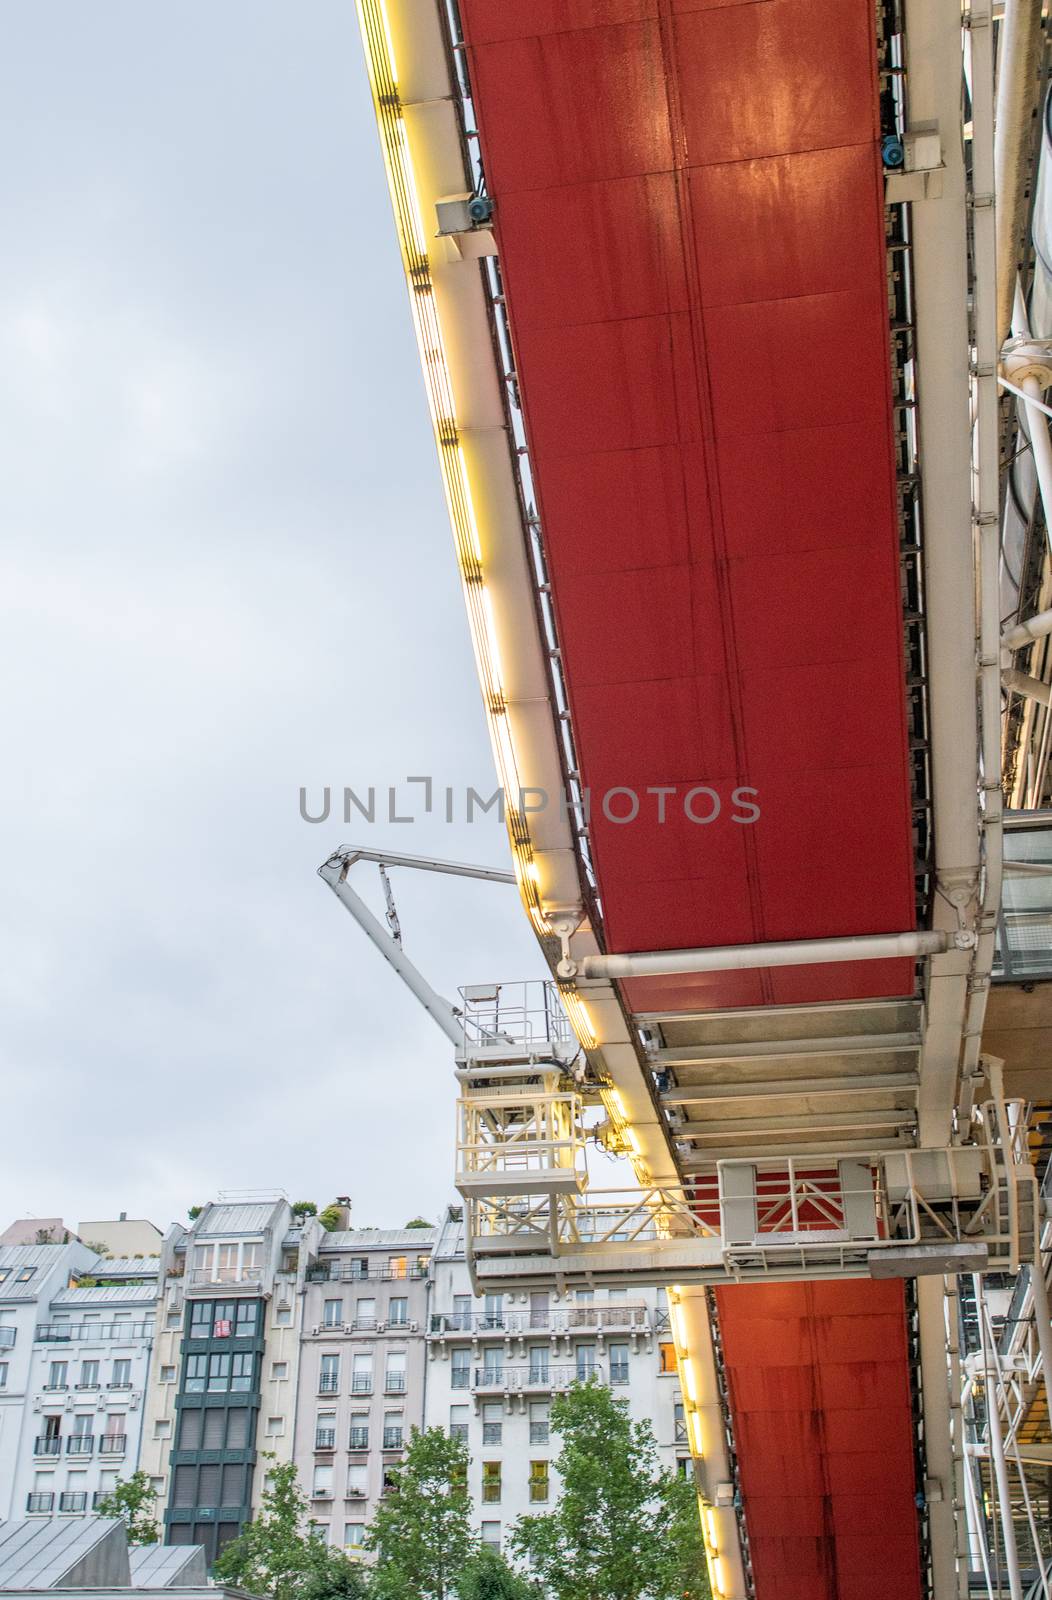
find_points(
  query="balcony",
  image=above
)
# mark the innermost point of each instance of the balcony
(120, 1385)
(521, 1379)
(47, 1447)
(394, 1383)
(113, 1444)
(37, 1503)
(65, 1332)
(325, 1439)
(538, 1433)
(392, 1439)
(225, 1277)
(460, 1378)
(359, 1439)
(380, 1272)
(7, 1338)
(55, 1388)
(73, 1500)
(362, 1383)
(80, 1444)
(329, 1383)
(620, 1317)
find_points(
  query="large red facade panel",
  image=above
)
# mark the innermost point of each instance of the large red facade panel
(689, 205)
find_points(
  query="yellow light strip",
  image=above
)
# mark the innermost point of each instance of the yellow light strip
(394, 140)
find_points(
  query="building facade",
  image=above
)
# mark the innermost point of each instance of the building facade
(496, 1364)
(362, 1370)
(226, 1364)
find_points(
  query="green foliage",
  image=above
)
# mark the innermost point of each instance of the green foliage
(304, 1208)
(193, 1212)
(487, 1576)
(419, 1222)
(421, 1533)
(619, 1530)
(330, 1218)
(279, 1554)
(135, 1500)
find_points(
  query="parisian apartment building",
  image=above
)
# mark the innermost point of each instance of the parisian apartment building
(252, 1336)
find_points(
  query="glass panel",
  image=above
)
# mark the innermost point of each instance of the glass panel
(1024, 929)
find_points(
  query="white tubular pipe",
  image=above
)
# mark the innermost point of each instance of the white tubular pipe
(799, 953)
(1024, 633)
(1030, 688)
(997, 1447)
(334, 872)
(1017, 64)
(1041, 1314)
(1040, 444)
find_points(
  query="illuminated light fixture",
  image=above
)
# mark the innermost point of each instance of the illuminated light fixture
(719, 1576)
(394, 140)
(710, 1529)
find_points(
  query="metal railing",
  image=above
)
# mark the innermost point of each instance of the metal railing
(80, 1444)
(47, 1447)
(380, 1272)
(361, 1383)
(73, 1500)
(39, 1502)
(225, 1276)
(359, 1439)
(394, 1383)
(64, 1332)
(113, 1444)
(527, 1013)
(329, 1383)
(618, 1317)
(392, 1438)
(516, 1379)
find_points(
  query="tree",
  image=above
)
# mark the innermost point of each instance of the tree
(304, 1208)
(193, 1212)
(421, 1533)
(487, 1576)
(617, 1532)
(133, 1499)
(330, 1218)
(418, 1222)
(279, 1554)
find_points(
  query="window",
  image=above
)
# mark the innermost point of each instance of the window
(333, 1314)
(585, 1362)
(493, 1316)
(398, 1311)
(458, 1422)
(329, 1378)
(359, 1435)
(184, 1488)
(223, 1319)
(190, 1429)
(584, 1297)
(462, 1311)
(362, 1373)
(680, 1422)
(237, 1421)
(491, 1535)
(394, 1375)
(538, 1363)
(538, 1482)
(252, 1259)
(247, 1318)
(365, 1314)
(200, 1319)
(493, 1364)
(162, 1428)
(398, 1266)
(196, 1374)
(667, 1353)
(325, 1431)
(89, 1375)
(121, 1375)
(353, 1534)
(167, 1374)
(283, 1316)
(490, 1482)
(218, 1372)
(242, 1368)
(279, 1369)
(460, 1371)
(25, 1274)
(173, 1317)
(322, 1485)
(618, 1363)
(232, 1491)
(3, 1374)
(57, 1373)
(392, 1430)
(539, 1308)
(356, 1481)
(214, 1428)
(5, 1273)
(275, 1425)
(539, 1410)
(492, 1422)
(226, 1263)
(208, 1484)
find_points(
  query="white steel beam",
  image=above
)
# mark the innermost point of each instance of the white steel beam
(854, 1044)
(789, 1089)
(791, 953)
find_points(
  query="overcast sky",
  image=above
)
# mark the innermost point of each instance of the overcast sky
(226, 572)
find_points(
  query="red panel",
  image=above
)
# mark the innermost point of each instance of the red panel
(824, 1438)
